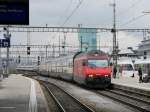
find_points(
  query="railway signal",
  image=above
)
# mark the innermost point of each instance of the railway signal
(19, 59)
(38, 60)
(145, 54)
(28, 50)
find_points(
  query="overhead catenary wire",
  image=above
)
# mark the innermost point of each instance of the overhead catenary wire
(66, 10)
(133, 20)
(118, 14)
(71, 14)
(129, 8)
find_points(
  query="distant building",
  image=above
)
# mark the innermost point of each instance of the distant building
(127, 53)
(144, 48)
(87, 39)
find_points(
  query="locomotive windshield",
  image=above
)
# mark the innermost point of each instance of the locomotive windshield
(97, 63)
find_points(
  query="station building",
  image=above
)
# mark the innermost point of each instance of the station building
(144, 48)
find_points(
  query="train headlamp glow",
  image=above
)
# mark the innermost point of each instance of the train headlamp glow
(90, 75)
(106, 75)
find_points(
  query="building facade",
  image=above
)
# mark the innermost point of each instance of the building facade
(87, 39)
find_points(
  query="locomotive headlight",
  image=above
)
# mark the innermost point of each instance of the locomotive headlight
(106, 75)
(91, 75)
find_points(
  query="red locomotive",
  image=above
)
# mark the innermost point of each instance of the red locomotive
(87, 68)
(92, 69)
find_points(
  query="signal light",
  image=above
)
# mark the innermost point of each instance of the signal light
(145, 54)
(19, 59)
(38, 60)
(28, 50)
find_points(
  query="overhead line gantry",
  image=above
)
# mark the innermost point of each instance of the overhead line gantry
(66, 29)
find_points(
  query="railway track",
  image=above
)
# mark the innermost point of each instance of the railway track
(65, 101)
(138, 101)
(135, 100)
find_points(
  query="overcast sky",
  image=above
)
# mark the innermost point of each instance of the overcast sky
(91, 13)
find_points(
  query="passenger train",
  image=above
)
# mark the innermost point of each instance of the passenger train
(89, 68)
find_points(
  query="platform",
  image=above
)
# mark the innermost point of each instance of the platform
(21, 94)
(132, 83)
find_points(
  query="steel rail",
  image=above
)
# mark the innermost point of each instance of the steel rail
(110, 95)
(135, 92)
(84, 106)
(55, 99)
(131, 97)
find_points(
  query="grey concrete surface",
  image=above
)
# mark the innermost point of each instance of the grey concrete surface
(131, 82)
(15, 92)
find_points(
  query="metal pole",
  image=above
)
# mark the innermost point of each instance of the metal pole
(7, 36)
(53, 51)
(28, 45)
(0, 57)
(46, 51)
(114, 35)
(81, 43)
(64, 52)
(7, 60)
(115, 51)
(99, 42)
(0, 53)
(59, 45)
